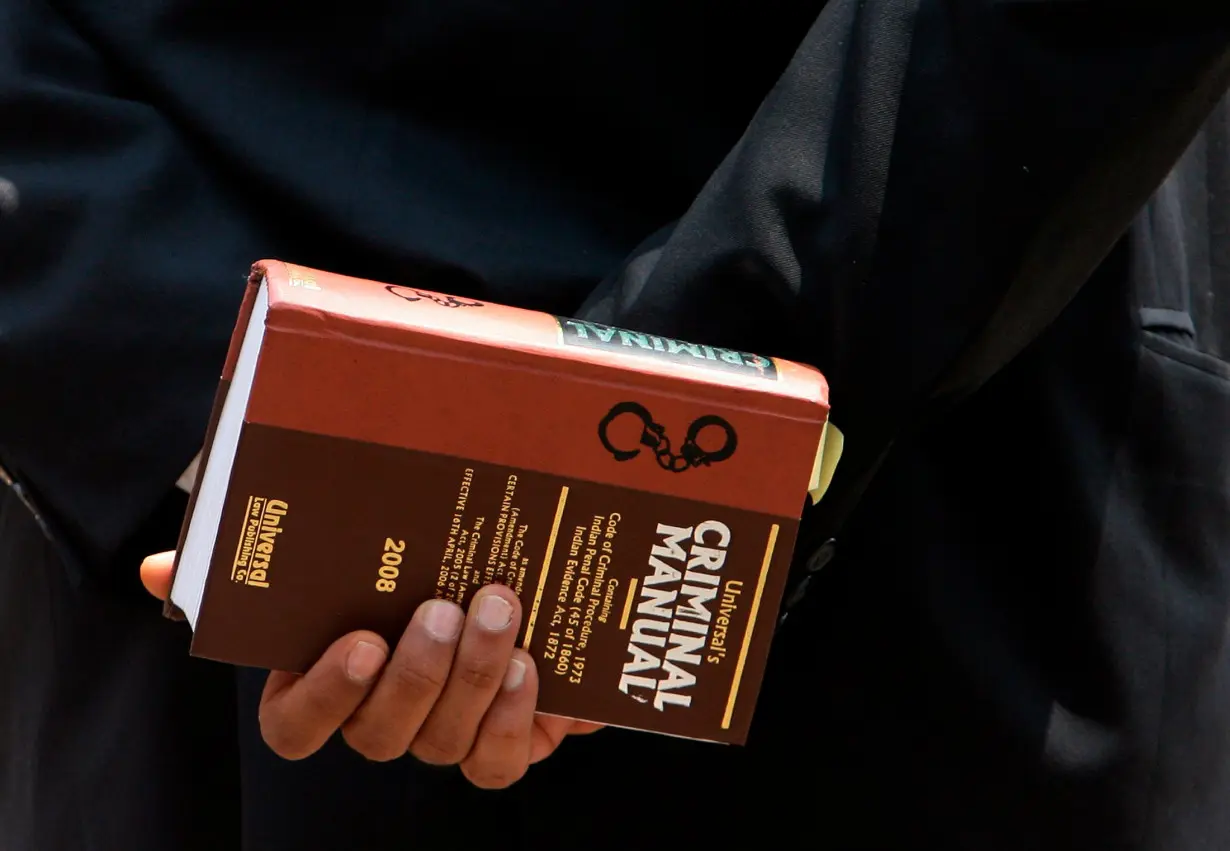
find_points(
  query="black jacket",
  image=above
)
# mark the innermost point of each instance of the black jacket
(1021, 642)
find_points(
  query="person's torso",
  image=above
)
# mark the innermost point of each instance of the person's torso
(528, 145)
(1021, 643)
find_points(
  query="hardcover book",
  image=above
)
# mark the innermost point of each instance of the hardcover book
(373, 446)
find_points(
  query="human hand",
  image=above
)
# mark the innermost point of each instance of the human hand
(456, 691)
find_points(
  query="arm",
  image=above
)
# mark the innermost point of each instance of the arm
(914, 161)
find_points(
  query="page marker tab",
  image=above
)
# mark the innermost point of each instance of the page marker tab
(828, 453)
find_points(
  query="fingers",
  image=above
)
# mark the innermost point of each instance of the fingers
(477, 673)
(444, 675)
(298, 714)
(156, 574)
(501, 752)
(455, 691)
(389, 719)
(550, 730)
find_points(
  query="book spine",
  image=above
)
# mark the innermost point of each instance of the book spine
(391, 312)
(320, 374)
(169, 609)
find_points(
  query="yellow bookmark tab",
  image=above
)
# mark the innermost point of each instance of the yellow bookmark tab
(828, 453)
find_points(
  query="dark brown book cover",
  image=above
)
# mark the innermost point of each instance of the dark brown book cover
(641, 494)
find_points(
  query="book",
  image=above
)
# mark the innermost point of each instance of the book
(373, 446)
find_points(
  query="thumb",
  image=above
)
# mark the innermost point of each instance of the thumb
(156, 574)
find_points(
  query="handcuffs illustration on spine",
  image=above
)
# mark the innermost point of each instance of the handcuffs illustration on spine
(653, 436)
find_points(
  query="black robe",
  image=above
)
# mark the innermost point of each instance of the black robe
(1022, 641)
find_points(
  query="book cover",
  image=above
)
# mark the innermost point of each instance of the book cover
(374, 445)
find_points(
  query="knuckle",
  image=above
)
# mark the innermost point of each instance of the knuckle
(371, 743)
(481, 674)
(283, 741)
(319, 705)
(435, 749)
(417, 679)
(506, 737)
(492, 775)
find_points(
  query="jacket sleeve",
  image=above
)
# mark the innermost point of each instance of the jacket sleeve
(914, 160)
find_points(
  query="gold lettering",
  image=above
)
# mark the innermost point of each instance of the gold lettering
(262, 525)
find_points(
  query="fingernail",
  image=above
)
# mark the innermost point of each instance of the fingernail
(442, 619)
(515, 675)
(494, 613)
(364, 662)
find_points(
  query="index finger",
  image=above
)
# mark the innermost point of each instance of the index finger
(298, 714)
